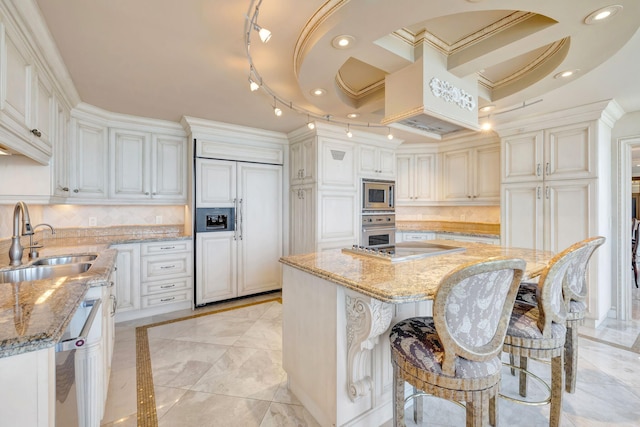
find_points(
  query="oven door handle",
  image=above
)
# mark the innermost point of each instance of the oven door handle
(377, 229)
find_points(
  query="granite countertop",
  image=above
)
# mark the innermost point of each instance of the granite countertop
(405, 281)
(34, 314)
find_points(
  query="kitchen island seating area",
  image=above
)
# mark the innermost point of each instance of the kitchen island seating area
(455, 354)
(574, 291)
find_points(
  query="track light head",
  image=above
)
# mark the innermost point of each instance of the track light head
(263, 33)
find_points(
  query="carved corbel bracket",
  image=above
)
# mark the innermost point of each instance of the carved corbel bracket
(367, 319)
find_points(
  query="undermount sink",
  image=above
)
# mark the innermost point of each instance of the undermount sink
(59, 260)
(39, 272)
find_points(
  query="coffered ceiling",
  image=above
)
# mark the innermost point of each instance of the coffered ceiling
(166, 58)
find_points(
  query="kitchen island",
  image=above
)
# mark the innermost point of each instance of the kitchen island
(337, 309)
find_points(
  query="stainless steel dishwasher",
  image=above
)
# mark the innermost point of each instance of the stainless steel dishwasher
(73, 340)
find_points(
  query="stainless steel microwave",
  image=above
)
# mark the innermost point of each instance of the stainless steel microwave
(378, 195)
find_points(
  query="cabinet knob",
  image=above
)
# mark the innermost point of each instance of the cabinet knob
(154, 193)
(146, 193)
(76, 190)
(65, 188)
(36, 132)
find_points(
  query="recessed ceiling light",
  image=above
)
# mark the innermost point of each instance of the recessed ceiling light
(353, 115)
(566, 74)
(343, 41)
(603, 14)
(486, 108)
(318, 92)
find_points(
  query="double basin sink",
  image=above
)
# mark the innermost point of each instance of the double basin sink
(47, 268)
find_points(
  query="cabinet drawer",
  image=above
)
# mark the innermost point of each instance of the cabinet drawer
(149, 288)
(166, 298)
(173, 246)
(166, 266)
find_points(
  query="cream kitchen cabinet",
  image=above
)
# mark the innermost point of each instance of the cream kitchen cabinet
(416, 182)
(147, 166)
(26, 98)
(153, 278)
(563, 152)
(86, 161)
(377, 162)
(244, 261)
(166, 273)
(302, 160)
(302, 220)
(471, 175)
(127, 278)
(551, 216)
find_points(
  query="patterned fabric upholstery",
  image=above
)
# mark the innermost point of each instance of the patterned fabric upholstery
(527, 293)
(474, 306)
(417, 341)
(524, 323)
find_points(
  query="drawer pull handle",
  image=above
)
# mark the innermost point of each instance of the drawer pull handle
(167, 299)
(165, 248)
(168, 286)
(165, 267)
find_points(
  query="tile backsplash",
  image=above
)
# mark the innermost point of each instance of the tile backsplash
(74, 216)
(483, 214)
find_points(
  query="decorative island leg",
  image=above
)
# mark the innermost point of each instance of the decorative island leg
(367, 319)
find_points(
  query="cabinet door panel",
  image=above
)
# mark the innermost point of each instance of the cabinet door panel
(259, 227)
(215, 183)
(569, 212)
(16, 99)
(522, 215)
(168, 168)
(456, 175)
(302, 220)
(405, 180)
(487, 174)
(127, 277)
(570, 152)
(90, 161)
(387, 163)
(215, 267)
(337, 165)
(368, 164)
(130, 171)
(425, 178)
(522, 157)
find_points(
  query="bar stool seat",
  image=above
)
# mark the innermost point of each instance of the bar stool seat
(454, 355)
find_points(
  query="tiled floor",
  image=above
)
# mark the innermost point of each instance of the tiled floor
(225, 369)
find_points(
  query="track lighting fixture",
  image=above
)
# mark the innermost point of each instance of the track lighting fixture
(263, 33)
(310, 124)
(277, 111)
(253, 85)
(389, 135)
(349, 134)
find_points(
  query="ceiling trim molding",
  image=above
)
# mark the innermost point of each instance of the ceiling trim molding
(318, 18)
(358, 94)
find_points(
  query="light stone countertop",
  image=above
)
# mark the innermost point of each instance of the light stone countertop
(406, 281)
(34, 314)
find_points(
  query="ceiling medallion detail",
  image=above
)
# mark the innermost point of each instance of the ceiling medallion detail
(448, 92)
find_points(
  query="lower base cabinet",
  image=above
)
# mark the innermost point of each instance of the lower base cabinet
(153, 278)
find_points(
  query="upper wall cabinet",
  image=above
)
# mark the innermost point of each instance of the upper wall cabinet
(148, 167)
(565, 152)
(377, 162)
(416, 178)
(472, 174)
(26, 99)
(303, 160)
(87, 167)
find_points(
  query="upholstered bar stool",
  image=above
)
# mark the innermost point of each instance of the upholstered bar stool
(454, 355)
(574, 290)
(539, 331)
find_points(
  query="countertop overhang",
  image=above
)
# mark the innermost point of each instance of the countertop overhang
(407, 281)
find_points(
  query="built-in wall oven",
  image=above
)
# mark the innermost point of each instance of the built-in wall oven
(378, 230)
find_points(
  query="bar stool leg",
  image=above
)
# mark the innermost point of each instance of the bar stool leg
(571, 357)
(557, 374)
(523, 376)
(418, 405)
(398, 398)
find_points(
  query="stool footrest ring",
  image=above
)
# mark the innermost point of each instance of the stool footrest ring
(535, 377)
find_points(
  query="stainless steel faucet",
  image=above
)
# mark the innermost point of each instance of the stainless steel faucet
(15, 251)
(33, 253)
